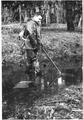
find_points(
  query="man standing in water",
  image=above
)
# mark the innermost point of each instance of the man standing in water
(31, 36)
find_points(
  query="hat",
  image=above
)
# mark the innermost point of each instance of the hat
(40, 17)
(37, 18)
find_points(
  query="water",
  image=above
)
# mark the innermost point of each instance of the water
(18, 101)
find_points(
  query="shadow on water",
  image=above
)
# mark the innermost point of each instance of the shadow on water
(14, 100)
(72, 76)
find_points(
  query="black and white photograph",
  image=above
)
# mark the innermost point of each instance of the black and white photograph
(41, 63)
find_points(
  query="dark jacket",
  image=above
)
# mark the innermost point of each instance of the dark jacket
(32, 34)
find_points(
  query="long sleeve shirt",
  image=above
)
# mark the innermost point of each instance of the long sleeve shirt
(31, 34)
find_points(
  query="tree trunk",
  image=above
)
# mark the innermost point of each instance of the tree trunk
(20, 13)
(80, 22)
(48, 16)
(61, 14)
(70, 15)
(70, 24)
(64, 16)
(57, 13)
(25, 17)
(47, 9)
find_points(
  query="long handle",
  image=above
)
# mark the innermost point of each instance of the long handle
(51, 60)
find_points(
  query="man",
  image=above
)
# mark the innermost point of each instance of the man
(31, 35)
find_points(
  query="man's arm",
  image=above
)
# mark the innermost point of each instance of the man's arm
(39, 36)
(23, 35)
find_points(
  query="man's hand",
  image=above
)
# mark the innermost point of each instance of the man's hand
(35, 50)
(22, 38)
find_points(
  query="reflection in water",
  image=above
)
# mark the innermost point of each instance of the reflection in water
(18, 101)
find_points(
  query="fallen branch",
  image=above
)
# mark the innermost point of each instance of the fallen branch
(78, 110)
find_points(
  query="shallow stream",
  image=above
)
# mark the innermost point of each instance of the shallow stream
(15, 101)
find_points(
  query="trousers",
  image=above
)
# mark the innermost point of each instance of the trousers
(32, 64)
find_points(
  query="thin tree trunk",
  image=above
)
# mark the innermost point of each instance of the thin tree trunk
(20, 13)
(80, 21)
(64, 16)
(48, 16)
(25, 17)
(57, 14)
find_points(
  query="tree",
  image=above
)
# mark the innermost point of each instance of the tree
(73, 8)
(70, 14)
(47, 12)
(20, 12)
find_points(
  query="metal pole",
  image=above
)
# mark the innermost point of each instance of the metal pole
(51, 60)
